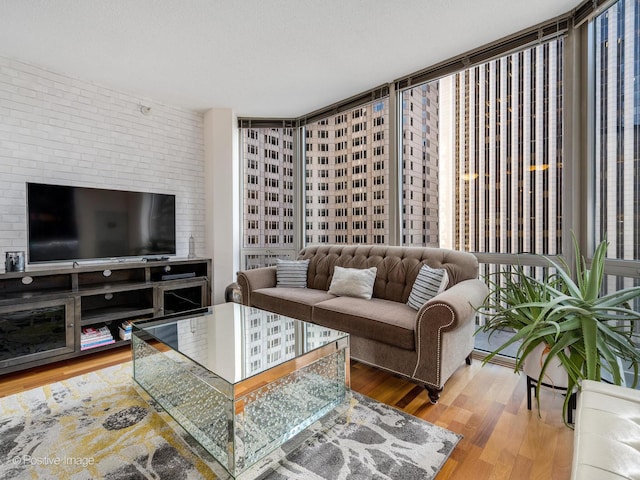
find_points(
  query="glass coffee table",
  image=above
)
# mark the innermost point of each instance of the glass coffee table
(240, 380)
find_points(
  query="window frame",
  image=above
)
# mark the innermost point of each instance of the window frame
(628, 268)
(578, 191)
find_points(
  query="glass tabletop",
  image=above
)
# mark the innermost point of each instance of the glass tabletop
(237, 342)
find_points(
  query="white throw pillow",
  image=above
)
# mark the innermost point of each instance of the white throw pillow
(429, 283)
(353, 282)
(291, 273)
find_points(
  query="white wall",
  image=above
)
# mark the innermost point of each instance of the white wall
(223, 197)
(63, 130)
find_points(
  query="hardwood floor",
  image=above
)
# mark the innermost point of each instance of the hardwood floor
(502, 439)
(36, 377)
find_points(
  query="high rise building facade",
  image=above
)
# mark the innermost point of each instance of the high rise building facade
(347, 177)
(616, 113)
(421, 166)
(268, 185)
(507, 152)
(481, 160)
(500, 159)
(616, 38)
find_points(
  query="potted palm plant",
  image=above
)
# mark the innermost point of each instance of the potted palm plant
(578, 327)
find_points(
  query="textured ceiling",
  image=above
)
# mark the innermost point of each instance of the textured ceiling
(275, 58)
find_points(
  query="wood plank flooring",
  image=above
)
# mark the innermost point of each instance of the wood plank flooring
(502, 439)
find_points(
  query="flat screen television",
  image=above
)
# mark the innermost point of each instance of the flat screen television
(79, 223)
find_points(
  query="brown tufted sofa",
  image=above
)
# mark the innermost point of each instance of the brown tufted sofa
(426, 346)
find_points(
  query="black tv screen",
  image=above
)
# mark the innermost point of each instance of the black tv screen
(78, 223)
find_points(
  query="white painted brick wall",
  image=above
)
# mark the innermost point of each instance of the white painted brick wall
(62, 130)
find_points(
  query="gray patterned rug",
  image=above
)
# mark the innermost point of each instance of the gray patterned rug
(98, 426)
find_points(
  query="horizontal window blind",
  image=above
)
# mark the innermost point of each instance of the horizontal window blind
(342, 106)
(345, 105)
(504, 46)
(589, 9)
(267, 123)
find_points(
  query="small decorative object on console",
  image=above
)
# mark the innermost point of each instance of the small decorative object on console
(14, 262)
(192, 247)
(124, 330)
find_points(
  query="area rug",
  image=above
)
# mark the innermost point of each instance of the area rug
(99, 426)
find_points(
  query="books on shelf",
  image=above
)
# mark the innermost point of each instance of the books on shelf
(124, 330)
(91, 337)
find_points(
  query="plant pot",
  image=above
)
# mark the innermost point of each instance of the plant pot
(555, 376)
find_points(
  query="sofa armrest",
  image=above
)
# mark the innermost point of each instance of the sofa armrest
(451, 313)
(250, 280)
(463, 298)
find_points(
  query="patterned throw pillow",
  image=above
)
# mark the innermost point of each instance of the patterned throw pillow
(429, 283)
(292, 273)
(353, 282)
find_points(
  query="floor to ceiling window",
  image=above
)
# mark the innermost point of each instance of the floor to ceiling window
(482, 156)
(477, 162)
(268, 224)
(347, 176)
(421, 175)
(482, 159)
(615, 36)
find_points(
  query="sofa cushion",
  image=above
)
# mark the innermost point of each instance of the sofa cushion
(291, 273)
(429, 283)
(376, 319)
(292, 302)
(353, 282)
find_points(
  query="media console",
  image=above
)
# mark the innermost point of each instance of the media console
(51, 314)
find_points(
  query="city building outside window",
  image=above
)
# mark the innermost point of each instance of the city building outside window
(268, 181)
(350, 171)
(482, 160)
(481, 164)
(482, 151)
(616, 147)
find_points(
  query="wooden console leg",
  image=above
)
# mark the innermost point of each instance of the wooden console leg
(434, 393)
